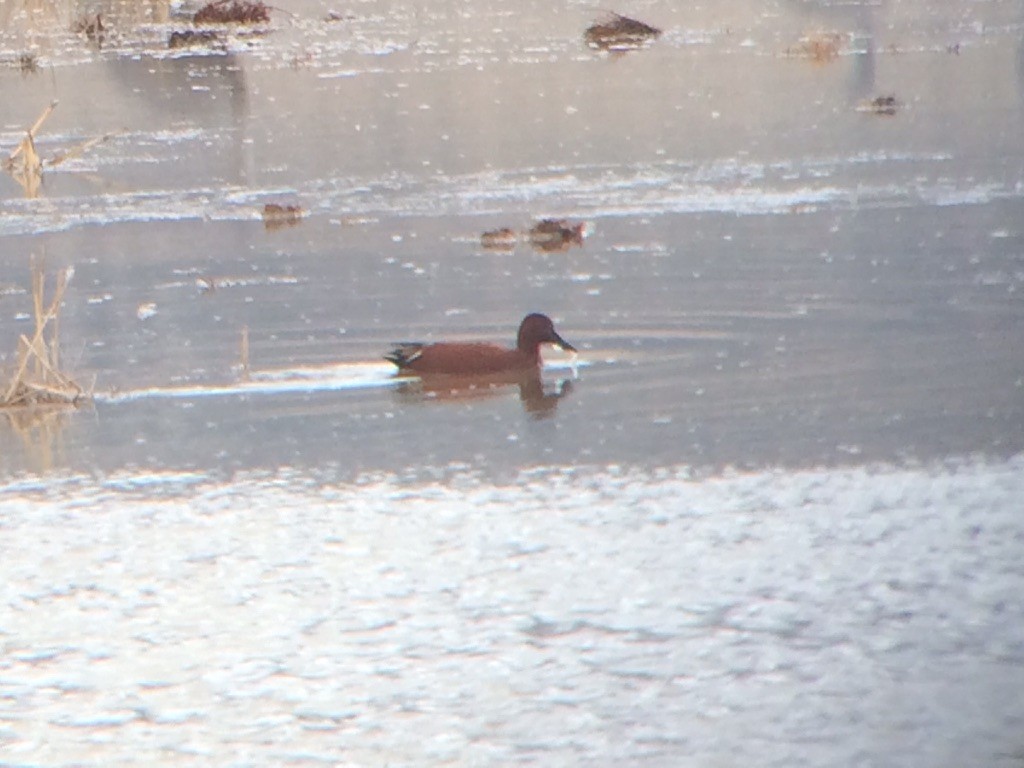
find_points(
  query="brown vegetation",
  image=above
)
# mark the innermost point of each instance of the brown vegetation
(503, 239)
(548, 235)
(24, 163)
(37, 378)
(556, 235)
(819, 47)
(276, 216)
(617, 33)
(233, 12)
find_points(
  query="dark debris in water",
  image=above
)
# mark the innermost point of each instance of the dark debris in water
(233, 12)
(556, 235)
(336, 16)
(189, 38)
(547, 235)
(619, 33)
(28, 64)
(276, 216)
(881, 105)
(90, 26)
(503, 239)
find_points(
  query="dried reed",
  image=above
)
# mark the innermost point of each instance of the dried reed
(243, 353)
(25, 164)
(38, 379)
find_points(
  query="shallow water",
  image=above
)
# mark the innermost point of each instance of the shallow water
(569, 616)
(772, 514)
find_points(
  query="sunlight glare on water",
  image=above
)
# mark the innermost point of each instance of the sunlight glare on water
(574, 616)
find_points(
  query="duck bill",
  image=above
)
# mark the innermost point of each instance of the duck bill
(558, 341)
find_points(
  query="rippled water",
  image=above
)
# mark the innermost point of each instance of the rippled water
(770, 516)
(571, 616)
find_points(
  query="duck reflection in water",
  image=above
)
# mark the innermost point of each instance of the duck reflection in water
(538, 397)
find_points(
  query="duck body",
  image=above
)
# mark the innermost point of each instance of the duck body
(475, 358)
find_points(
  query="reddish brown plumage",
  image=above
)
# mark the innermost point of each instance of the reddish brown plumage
(466, 359)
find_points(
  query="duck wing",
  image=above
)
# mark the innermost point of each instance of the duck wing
(404, 353)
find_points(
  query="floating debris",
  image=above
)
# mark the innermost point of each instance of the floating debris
(206, 284)
(556, 235)
(91, 26)
(880, 105)
(38, 379)
(819, 47)
(620, 33)
(503, 239)
(233, 12)
(276, 216)
(191, 38)
(335, 16)
(28, 64)
(303, 59)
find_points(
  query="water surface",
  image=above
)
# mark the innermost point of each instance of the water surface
(773, 514)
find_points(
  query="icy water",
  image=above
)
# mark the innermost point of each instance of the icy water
(773, 516)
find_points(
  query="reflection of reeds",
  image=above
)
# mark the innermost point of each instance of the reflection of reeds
(16, 15)
(37, 378)
(40, 431)
(243, 353)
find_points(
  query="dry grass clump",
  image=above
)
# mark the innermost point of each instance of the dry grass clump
(37, 377)
(276, 216)
(617, 33)
(233, 12)
(556, 235)
(819, 47)
(24, 163)
(547, 235)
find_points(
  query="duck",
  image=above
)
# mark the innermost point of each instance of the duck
(476, 358)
